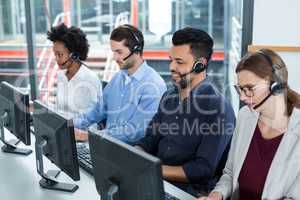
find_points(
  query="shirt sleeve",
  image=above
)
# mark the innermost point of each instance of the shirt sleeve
(96, 114)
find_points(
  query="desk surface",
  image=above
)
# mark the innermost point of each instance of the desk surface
(20, 180)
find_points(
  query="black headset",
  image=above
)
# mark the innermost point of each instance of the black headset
(278, 85)
(74, 56)
(137, 46)
(199, 66)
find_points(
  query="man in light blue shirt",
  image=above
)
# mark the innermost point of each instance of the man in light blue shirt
(132, 97)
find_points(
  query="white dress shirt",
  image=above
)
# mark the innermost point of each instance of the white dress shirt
(78, 95)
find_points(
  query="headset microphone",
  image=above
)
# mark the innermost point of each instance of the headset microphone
(263, 101)
(131, 53)
(137, 47)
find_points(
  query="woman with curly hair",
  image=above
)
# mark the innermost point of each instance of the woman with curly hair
(77, 86)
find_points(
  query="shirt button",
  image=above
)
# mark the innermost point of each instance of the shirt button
(122, 95)
(176, 117)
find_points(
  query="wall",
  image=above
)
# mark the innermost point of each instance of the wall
(275, 23)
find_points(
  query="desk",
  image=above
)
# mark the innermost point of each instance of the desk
(19, 180)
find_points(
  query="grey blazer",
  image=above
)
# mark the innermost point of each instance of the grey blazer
(283, 179)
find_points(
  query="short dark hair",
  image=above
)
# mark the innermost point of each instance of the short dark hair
(200, 42)
(130, 34)
(73, 38)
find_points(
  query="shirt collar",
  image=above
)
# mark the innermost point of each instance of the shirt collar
(139, 74)
(77, 75)
(203, 83)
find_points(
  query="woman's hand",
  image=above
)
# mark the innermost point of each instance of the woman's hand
(213, 196)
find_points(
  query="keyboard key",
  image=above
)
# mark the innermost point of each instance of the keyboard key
(84, 158)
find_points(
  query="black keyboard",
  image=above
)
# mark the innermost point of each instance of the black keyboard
(170, 197)
(84, 158)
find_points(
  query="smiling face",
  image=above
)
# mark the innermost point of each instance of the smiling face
(254, 88)
(181, 62)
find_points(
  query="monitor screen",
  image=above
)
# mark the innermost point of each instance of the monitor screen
(16, 104)
(120, 167)
(58, 134)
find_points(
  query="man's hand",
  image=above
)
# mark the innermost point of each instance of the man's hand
(80, 135)
(174, 173)
(213, 196)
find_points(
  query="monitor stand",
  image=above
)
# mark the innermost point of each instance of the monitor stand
(10, 147)
(113, 191)
(48, 180)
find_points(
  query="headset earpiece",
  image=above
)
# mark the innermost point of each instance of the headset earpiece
(277, 86)
(74, 56)
(136, 49)
(199, 65)
(137, 46)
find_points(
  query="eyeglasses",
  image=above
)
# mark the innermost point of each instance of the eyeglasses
(249, 90)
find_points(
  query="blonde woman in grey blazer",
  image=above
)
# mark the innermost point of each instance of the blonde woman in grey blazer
(264, 158)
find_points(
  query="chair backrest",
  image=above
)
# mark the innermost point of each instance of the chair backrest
(104, 83)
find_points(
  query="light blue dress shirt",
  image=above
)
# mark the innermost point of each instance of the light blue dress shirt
(128, 104)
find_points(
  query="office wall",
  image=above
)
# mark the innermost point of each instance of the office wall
(276, 22)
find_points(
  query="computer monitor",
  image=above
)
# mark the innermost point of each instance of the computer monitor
(55, 139)
(123, 172)
(15, 117)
